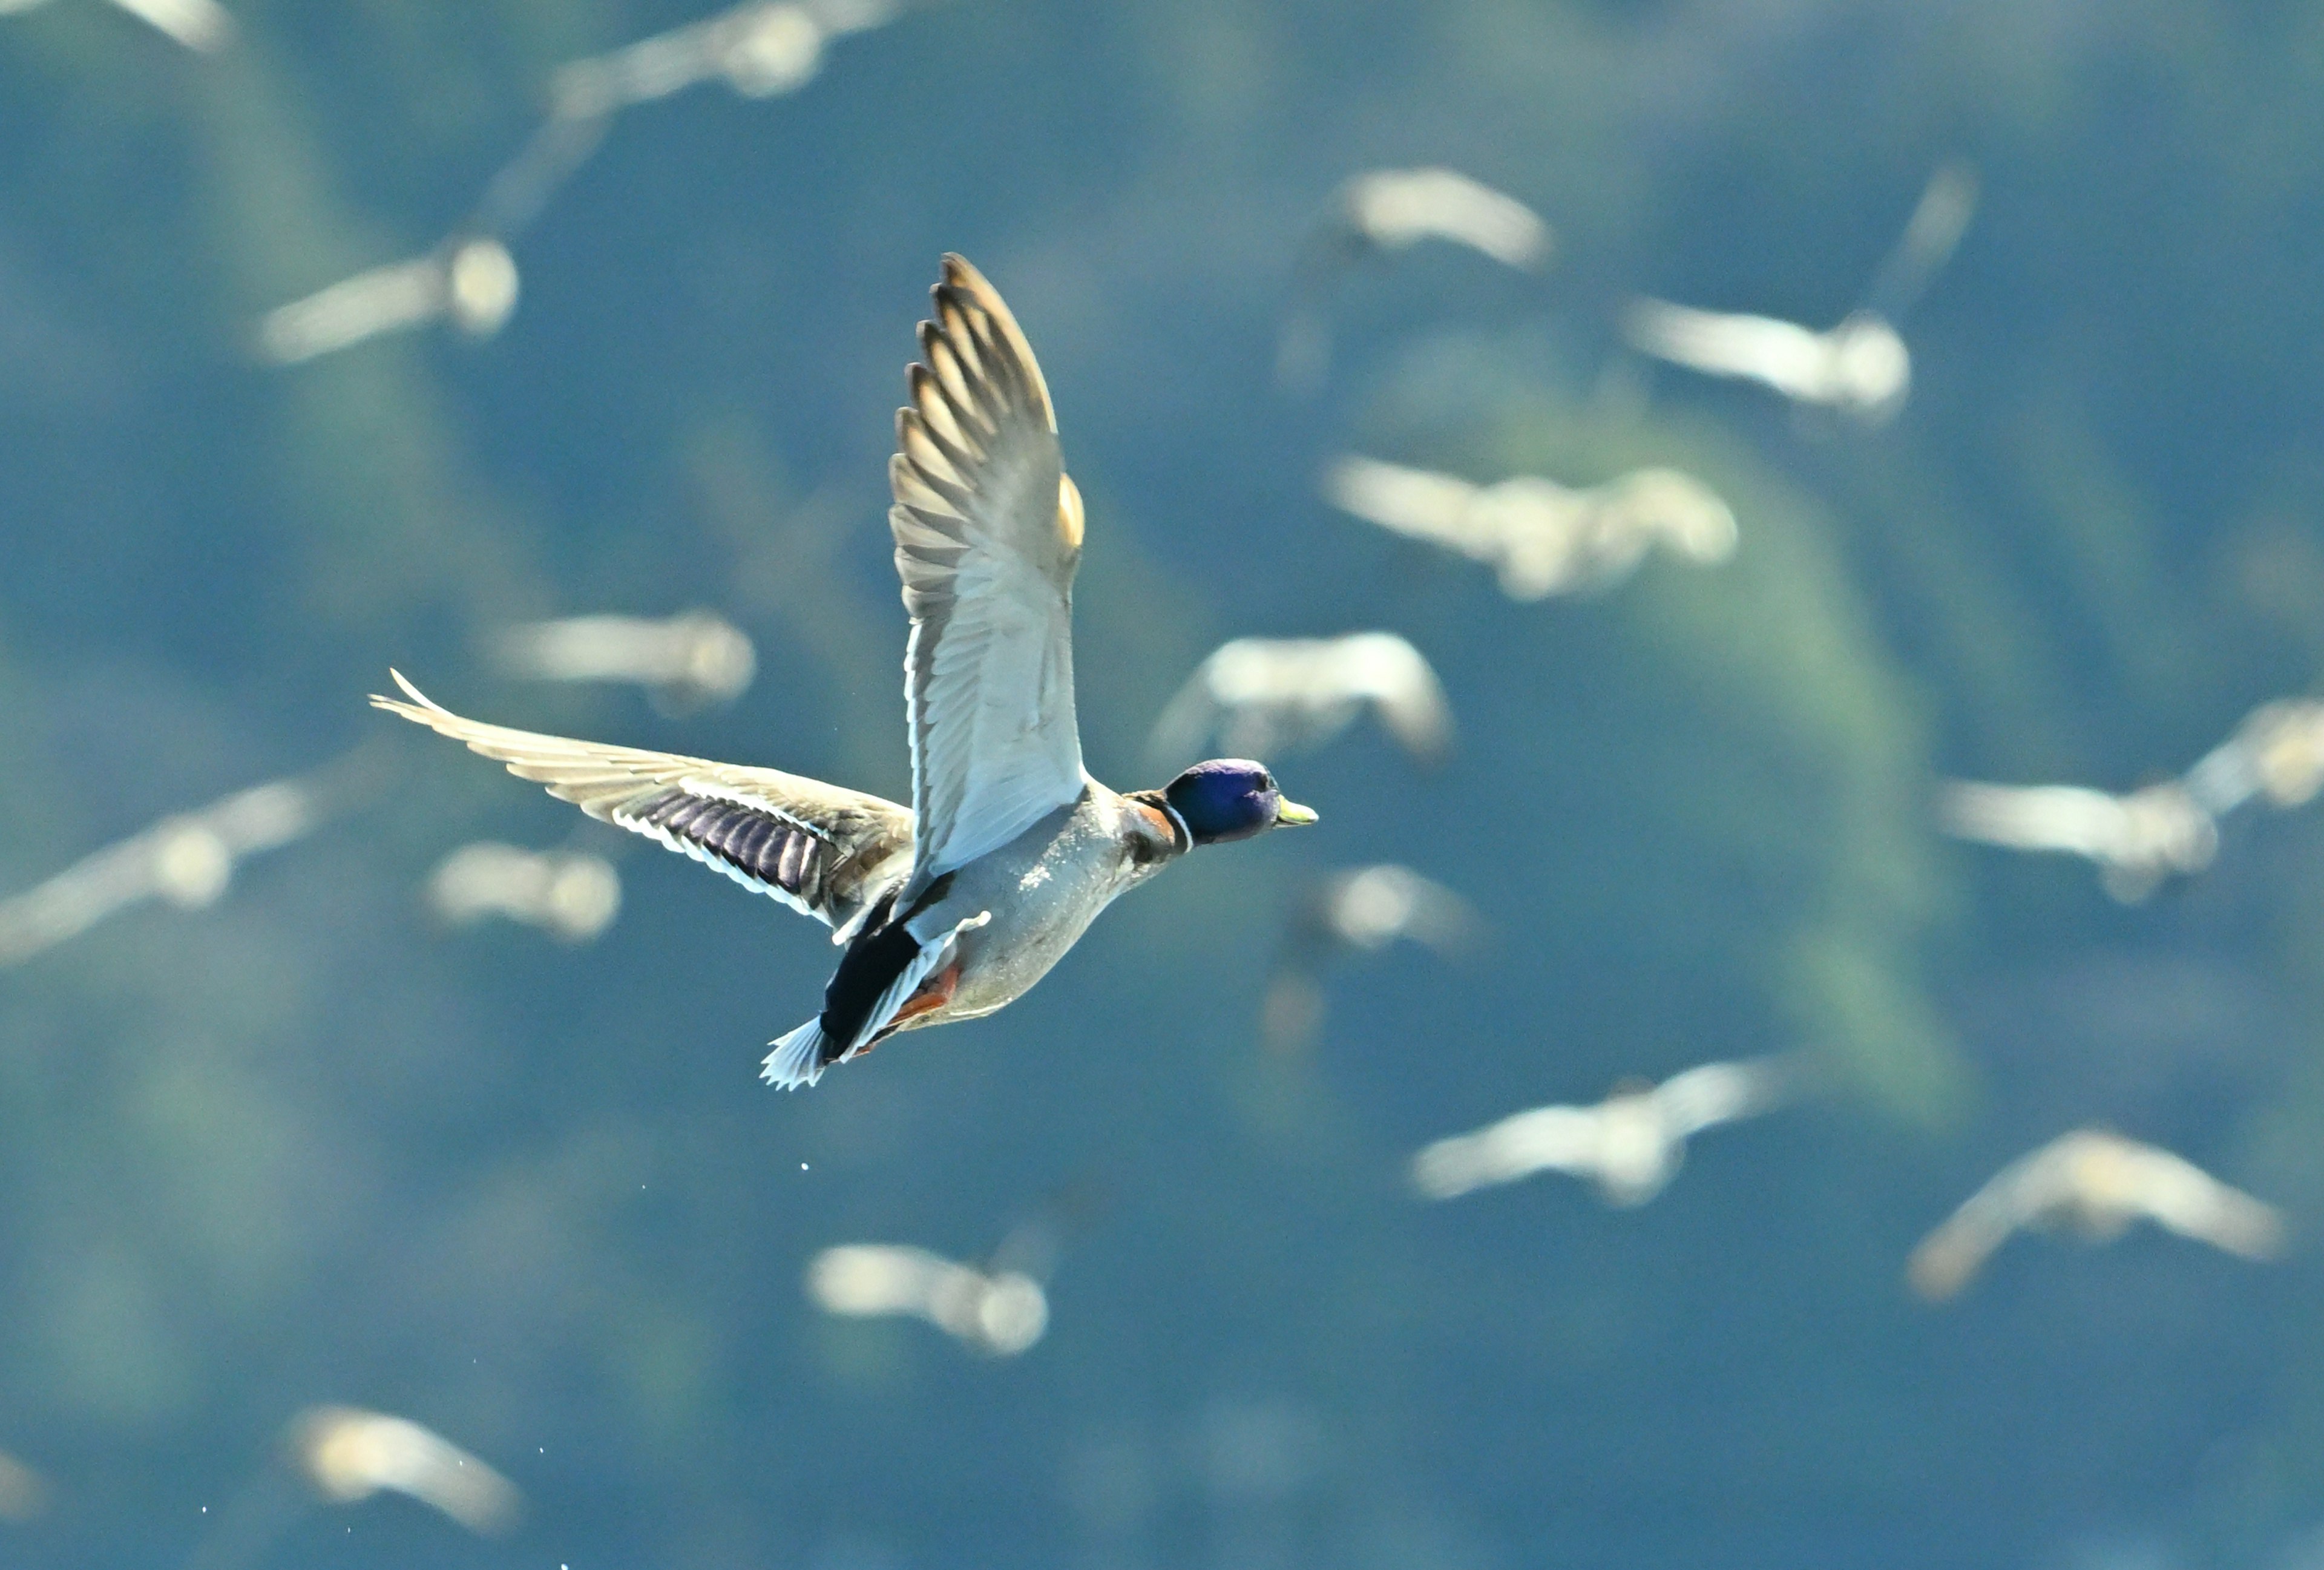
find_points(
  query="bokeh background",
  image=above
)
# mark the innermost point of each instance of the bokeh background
(307, 1146)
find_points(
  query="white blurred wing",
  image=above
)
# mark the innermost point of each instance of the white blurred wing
(198, 24)
(1550, 1137)
(2181, 1196)
(2070, 818)
(1395, 208)
(1931, 235)
(1417, 503)
(822, 850)
(1786, 355)
(1720, 1093)
(988, 533)
(1398, 680)
(2029, 1188)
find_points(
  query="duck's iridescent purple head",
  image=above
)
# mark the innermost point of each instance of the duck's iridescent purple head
(1231, 798)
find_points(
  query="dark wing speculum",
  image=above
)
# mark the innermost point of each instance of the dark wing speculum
(824, 851)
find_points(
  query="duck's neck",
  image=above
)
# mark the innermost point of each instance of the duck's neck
(1172, 838)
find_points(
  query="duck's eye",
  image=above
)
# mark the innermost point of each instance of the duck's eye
(1266, 781)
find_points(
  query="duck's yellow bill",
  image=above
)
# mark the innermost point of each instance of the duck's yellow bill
(1291, 815)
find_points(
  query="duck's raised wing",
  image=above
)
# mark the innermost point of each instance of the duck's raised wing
(988, 533)
(823, 851)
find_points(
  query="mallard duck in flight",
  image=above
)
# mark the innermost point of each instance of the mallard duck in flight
(951, 908)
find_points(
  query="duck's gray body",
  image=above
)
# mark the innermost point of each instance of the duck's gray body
(952, 907)
(1041, 891)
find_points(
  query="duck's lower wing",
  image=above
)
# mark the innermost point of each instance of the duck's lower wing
(817, 848)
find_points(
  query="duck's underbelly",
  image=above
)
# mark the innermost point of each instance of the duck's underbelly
(1044, 890)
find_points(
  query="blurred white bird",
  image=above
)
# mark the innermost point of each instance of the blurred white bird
(1630, 1145)
(348, 1454)
(569, 894)
(1002, 1313)
(2097, 1183)
(2277, 753)
(470, 282)
(1383, 210)
(187, 860)
(1390, 209)
(1860, 367)
(686, 661)
(1543, 538)
(1360, 911)
(201, 25)
(1263, 695)
(2138, 841)
(760, 48)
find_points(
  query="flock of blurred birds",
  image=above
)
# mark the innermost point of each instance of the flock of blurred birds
(1257, 697)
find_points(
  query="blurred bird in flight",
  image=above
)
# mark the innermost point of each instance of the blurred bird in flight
(2097, 1183)
(470, 281)
(760, 49)
(1630, 1145)
(1860, 367)
(201, 25)
(1261, 695)
(686, 661)
(1003, 1312)
(2138, 841)
(1384, 210)
(187, 860)
(347, 1454)
(1543, 538)
(569, 894)
(951, 908)
(1360, 911)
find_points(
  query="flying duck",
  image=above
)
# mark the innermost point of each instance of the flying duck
(2097, 1183)
(1631, 1144)
(954, 906)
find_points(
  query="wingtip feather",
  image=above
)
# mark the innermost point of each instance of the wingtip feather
(798, 1058)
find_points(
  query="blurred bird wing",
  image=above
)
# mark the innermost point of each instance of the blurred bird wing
(73, 901)
(2029, 1188)
(1418, 503)
(203, 25)
(2227, 776)
(988, 534)
(2071, 818)
(1399, 679)
(1440, 919)
(1394, 208)
(824, 851)
(2183, 1197)
(1719, 1092)
(263, 817)
(1940, 218)
(1786, 355)
(1550, 1137)
(1264, 685)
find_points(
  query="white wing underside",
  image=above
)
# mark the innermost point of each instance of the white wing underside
(1784, 355)
(1717, 1092)
(987, 535)
(1564, 1139)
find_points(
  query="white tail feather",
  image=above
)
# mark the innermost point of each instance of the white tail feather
(798, 1059)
